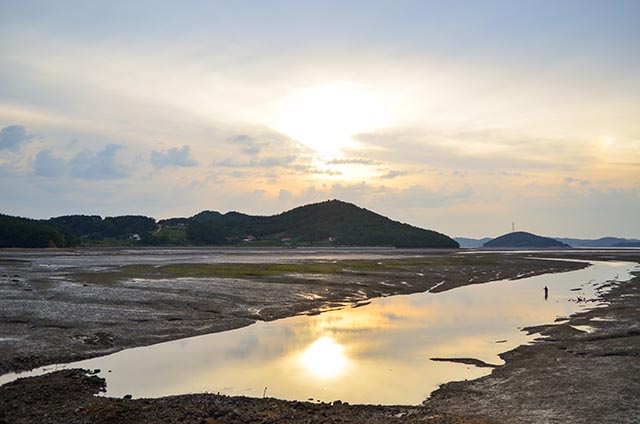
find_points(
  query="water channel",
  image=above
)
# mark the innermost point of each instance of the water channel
(378, 354)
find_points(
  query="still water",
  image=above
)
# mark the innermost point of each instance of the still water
(379, 353)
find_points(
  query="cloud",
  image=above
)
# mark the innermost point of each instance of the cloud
(13, 137)
(265, 162)
(306, 169)
(285, 196)
(354, 161)
(488, 151)
(102, 165)
(248, 144)
(416, 196)
(173, 157)
(48, 165)
(576, 181)
(392, 174)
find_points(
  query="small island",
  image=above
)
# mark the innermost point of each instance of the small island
(522, 239)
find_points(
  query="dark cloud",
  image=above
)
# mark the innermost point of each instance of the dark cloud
(13, 137)
(173, 157)
(322, 171)
(48, 165)
(102, 165)
(248, 144)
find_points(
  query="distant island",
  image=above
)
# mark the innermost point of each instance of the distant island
(601, 242)
(614, 242)
(329, 223)
(471, 243)
(522, 239)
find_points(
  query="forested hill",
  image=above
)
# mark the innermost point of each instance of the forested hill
(330, 223)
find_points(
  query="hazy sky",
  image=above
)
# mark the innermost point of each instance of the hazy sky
(459, 116)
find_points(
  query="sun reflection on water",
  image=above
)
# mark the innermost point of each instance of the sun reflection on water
(325, 358)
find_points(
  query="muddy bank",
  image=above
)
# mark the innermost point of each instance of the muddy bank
(65, 306)
(57, 404)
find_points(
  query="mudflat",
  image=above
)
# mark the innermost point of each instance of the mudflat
(61, 306)
(75, 305)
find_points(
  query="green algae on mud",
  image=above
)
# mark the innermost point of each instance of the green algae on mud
(266, 270)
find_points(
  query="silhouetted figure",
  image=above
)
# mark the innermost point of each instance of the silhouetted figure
(546, 292)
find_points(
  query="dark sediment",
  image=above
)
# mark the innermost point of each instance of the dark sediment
(469, 361)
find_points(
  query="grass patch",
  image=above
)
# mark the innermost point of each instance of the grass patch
(170, 236)
(249, 270)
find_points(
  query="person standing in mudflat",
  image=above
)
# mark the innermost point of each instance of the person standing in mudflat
(546, 292)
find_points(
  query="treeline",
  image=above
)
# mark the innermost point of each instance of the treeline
(23, 232)
(72, 230)
(332, 223)
(96, 228)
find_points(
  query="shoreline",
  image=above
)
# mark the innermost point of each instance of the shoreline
(567, 374)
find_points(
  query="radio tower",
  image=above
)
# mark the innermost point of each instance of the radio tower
(513, 227)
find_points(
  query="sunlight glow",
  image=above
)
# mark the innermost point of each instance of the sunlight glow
(325, 358)
(325, 117)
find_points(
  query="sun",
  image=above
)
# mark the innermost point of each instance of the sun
(325, 117)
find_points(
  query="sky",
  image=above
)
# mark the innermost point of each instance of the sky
(460, 116)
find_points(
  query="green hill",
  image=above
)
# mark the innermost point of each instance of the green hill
(330, 223)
